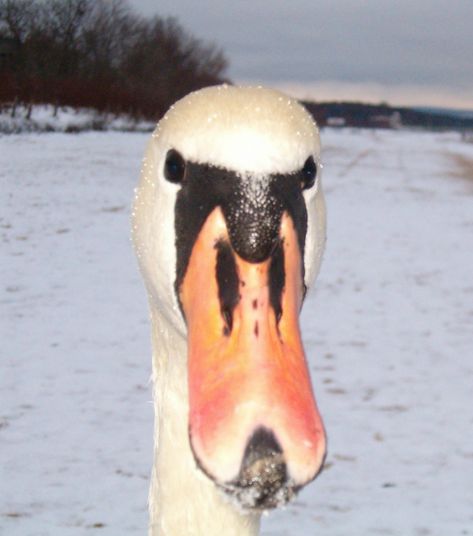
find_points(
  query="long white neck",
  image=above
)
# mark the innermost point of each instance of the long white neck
(182, 500)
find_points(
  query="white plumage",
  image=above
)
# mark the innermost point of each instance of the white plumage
(253, 131)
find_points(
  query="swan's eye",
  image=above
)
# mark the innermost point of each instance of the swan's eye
(309, 173)
(174, 167)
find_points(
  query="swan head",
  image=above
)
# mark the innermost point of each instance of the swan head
(229, 229)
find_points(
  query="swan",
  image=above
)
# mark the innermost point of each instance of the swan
(228, 225)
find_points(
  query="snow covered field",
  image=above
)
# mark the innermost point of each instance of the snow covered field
(388, 331)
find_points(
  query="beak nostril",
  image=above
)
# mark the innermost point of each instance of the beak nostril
(228, 282)
(228, 319)
(277, 279)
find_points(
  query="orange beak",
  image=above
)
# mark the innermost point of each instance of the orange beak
(248, 375)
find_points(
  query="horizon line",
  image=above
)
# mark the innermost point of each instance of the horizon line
(402, 95)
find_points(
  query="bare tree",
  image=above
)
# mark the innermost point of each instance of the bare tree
(108, 33)
(18, 18)
(98, 53)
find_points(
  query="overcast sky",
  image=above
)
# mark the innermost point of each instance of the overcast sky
(404, 51)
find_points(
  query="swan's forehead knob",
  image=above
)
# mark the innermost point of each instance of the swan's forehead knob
(245, 129)
(253, 221)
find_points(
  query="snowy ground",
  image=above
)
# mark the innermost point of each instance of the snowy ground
(389, 335)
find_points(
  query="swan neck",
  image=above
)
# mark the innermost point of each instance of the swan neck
(182, 500)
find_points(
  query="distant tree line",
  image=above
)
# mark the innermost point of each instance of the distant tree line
(363, 115)
(100, 54)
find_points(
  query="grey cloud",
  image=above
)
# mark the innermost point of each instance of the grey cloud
(391, 42)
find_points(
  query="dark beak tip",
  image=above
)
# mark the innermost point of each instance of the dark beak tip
(262, 483)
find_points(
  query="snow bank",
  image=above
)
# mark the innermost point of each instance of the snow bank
(46, 118)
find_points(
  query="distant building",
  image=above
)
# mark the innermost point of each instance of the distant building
(387, 120)
(336, 121)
